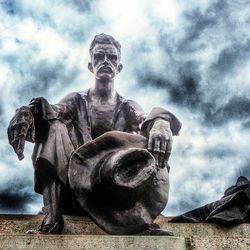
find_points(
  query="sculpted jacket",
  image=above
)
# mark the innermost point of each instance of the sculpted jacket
(62, 128)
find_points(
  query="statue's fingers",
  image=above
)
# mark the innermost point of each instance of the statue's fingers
(20, 147)
(161, 159)
(15, 137)
(157, 145)
(162, 151)
(156, 155)
(14, 144)
(22, 137)
(150, 144)
(13, 132)
(19, 131)
(23, 131)
(18, 136)
(156, 150)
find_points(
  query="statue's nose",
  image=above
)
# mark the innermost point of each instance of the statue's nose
(105, 62)
(106, 59)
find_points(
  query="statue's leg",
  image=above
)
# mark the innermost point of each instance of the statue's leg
(53, 220)
(50, 160)
(156, 200)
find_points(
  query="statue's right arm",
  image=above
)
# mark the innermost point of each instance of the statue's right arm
(30, 122)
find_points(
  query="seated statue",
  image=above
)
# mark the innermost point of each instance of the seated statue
(97, 153)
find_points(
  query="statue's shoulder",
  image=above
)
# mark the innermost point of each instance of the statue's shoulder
(130, 102)
(134, 105)
(74, 96)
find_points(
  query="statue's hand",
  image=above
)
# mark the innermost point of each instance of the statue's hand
(160, 141)
(18, 129)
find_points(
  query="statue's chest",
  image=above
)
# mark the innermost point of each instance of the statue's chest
(102, 118)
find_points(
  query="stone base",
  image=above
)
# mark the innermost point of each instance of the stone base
(90, 242)
(82, 233)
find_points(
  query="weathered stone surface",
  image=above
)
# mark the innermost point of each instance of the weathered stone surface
(215, 243)
(205, 229)
(20, 242)
(82, 233)
(18, 224)
(55, 242)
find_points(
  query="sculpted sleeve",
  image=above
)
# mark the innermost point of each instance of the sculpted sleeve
(160, 113)
(134, 115)
(44, 113)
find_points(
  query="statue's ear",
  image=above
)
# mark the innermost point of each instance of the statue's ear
(90, 67)
(120, 67)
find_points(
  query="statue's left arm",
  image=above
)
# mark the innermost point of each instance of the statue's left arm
(159, 127)
(31, 123)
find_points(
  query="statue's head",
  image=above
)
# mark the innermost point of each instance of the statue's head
(105, 53)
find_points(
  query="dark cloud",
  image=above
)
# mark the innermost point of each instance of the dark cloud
(230, 58)
(185, 92)
(16, 198)
(237, 108)
(9, 6)
(13, 7)
(216, 25)
(82, 5)
(44, 77)
(246, 125)
(200, 23)
(188, 202)
(214, 114)
(75, 27)
(218, 151)
(197, 23)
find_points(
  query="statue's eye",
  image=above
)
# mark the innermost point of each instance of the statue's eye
(99, 56)
(112, 57)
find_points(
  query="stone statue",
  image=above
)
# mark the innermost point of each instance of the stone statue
(98, 154)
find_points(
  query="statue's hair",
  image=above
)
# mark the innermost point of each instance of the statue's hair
(104, 39)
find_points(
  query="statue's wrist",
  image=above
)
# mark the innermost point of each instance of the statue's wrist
(159, 123)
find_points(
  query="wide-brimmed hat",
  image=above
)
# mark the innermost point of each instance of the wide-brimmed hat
(109, 176)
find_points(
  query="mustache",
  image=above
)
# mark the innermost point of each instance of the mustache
(104, 66)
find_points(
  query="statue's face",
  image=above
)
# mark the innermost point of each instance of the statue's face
(105, 61)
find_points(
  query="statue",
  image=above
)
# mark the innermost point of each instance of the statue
(98, 154)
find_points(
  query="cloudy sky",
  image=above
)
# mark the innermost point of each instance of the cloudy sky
(190, 57)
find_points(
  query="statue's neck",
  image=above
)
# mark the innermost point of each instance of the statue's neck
(103, 90)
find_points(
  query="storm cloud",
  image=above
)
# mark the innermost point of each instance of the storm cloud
(191, 58)
(14, 200)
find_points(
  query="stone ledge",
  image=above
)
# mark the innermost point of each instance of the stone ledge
(81, 233)
(105, 242)
(216, 243)
(18, 224)
(90, 242)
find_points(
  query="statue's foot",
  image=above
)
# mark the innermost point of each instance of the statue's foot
(157, 232)
(155, 229)
(49, 228)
